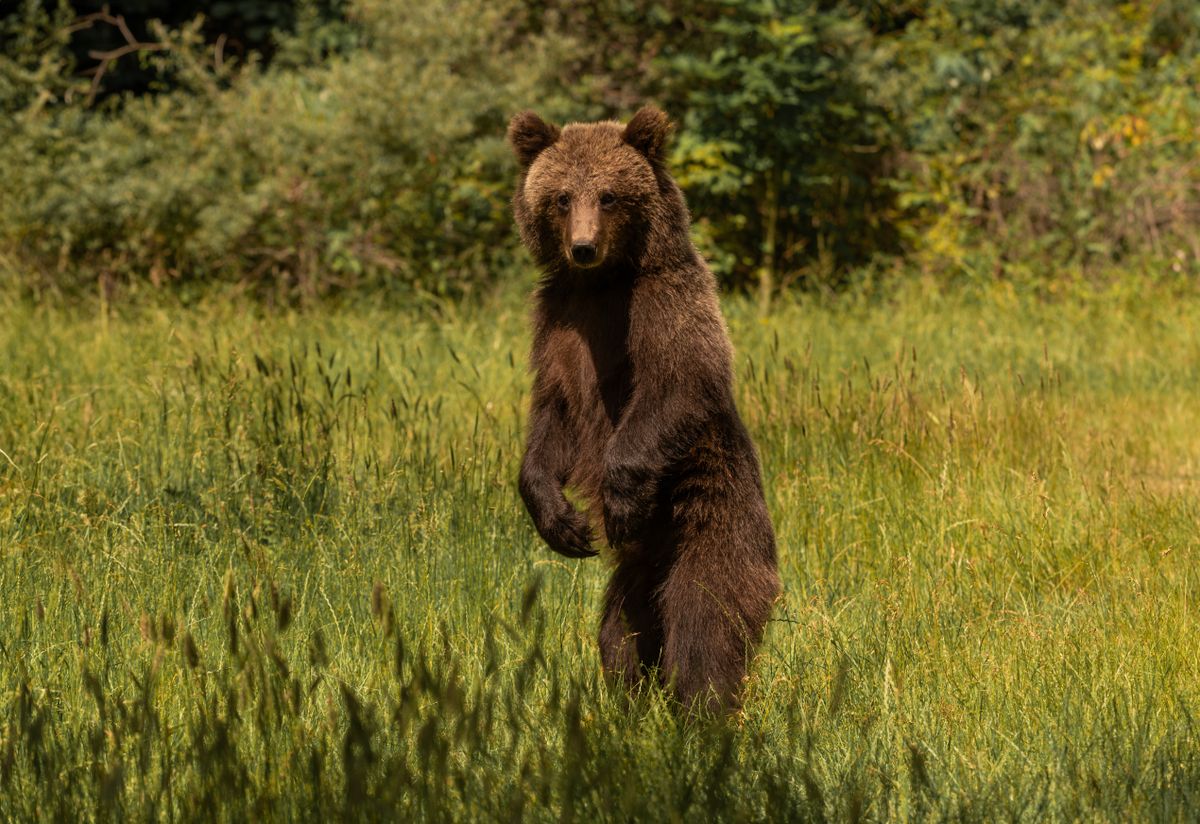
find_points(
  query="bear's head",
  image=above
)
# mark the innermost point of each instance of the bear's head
(590, 193)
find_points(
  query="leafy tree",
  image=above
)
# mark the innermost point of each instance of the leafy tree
(780, 145)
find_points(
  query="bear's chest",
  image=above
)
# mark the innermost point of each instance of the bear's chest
(590, 334)
(595, 377)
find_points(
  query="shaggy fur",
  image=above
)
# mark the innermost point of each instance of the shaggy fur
(633, 408)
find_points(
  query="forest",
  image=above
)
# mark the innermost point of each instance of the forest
(305, 149)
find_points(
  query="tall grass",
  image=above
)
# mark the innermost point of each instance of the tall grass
(273, 565)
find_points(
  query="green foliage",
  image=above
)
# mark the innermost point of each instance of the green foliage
(1048, 133)
(815, 139)
(780, 145)
(270, 565)
(240, 27)
(35, 69)
(371, 167)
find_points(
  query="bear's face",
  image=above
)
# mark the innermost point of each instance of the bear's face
(587, 189)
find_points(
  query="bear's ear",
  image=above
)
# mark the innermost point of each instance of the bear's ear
(647, 132)
(530, 136)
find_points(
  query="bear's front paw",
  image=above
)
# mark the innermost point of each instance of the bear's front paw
(569, 534)
(626, 502)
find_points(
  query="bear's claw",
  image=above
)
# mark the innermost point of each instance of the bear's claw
(570, 536)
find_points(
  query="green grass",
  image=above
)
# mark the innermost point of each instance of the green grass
(274, 565)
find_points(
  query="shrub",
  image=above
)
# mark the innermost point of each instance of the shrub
(1047, 133)
(384, 165)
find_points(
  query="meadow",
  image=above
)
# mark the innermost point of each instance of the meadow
(271, 564)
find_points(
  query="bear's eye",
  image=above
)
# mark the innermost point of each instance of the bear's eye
(607, 199)
(564, 200)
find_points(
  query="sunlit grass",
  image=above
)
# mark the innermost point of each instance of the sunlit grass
(274, 564)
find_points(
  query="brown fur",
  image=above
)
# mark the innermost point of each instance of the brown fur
(633, 408)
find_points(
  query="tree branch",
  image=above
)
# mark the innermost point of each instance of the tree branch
(132, 44)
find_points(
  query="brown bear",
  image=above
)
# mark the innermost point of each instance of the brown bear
(633, 408)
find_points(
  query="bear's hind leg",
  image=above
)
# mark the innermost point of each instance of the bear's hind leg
(714, 613)
(631, 631)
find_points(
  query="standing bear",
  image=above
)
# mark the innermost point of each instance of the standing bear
(633, 409)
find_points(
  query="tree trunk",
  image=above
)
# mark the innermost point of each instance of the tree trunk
(766, 271)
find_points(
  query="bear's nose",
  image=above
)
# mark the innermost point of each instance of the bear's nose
(583, 253)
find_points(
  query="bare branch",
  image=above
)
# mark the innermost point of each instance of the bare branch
(219, 53)
(106, 58)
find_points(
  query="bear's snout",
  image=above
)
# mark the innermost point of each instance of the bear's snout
(583, 234)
